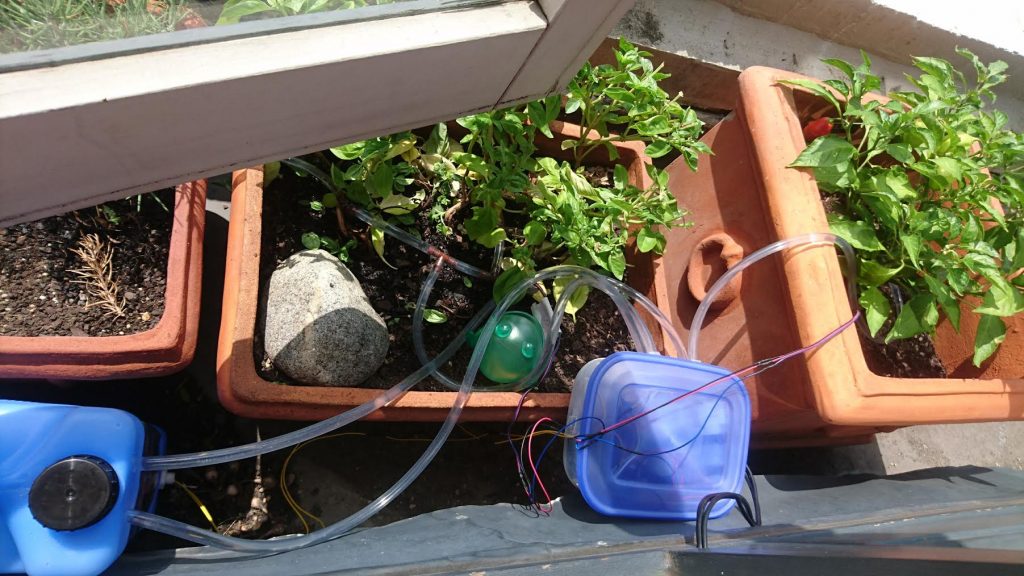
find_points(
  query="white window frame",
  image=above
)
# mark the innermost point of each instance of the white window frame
(84, 132)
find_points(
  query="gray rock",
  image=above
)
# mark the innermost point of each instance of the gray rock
(320, 328)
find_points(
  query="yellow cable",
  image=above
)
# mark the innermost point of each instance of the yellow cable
(538, 433)
(301, 512)
(282, 481)
(202, 507)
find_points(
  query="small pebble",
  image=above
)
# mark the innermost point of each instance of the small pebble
(146, 316)
(211, 475)
(231, 490)
(130, 296)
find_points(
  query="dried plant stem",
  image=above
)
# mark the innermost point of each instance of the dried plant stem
(98, 274)
(258, 512)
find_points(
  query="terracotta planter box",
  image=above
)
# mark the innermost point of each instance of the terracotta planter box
(744, 197)
(244, 392)
(163, 349)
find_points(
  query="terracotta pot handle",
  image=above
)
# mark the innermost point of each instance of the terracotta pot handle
(722, 252)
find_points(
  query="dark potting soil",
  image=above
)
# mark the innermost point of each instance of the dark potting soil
(40, 295)
(596, 332)
(911, 358)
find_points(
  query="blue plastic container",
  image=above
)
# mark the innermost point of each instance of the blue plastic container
(33, 437)
(688, 449)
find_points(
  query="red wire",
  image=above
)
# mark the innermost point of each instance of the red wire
(533, 467)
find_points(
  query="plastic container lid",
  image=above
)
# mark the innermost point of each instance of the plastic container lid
(688, 449)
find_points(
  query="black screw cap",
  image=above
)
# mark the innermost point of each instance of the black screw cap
(73, 493)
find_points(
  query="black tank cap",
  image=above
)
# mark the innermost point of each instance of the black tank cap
(73, 493)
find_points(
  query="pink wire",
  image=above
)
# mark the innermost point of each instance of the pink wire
(766, 363)
(533, 467)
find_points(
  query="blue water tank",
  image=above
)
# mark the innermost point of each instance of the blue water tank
(662, 464)
(69, 475)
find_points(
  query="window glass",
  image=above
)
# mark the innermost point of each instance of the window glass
(33, 25)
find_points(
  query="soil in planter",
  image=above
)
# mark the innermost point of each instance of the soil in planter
(40, 295)
(597, 331)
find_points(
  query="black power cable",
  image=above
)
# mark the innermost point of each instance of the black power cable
(750, 513)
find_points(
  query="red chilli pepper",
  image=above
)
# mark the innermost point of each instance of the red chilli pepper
(817, 128)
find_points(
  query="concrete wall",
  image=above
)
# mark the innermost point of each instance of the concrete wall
(797, 34)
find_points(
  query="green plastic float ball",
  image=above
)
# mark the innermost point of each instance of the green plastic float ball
(514, 348)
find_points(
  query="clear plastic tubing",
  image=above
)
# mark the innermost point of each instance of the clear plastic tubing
(638, 330)
(209, 458)
(804, 239)
(284, 544)
(390, 230)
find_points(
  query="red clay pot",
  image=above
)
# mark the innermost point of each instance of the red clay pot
(163, 349)
(744, 197)
(244, 392)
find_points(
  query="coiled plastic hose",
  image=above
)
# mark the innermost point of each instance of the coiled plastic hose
(634, 324)
(802, 240)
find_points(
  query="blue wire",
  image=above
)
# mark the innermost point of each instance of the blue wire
(580, 446)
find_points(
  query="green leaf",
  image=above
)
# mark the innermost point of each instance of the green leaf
(842, 65)
(349, 151)
(578, 298)
(919, 316)
(506, 281)
(912, 244)
(828, 150)
(622, 180)
(947, 300)
(398, 204)
(648, 240)
(948, 168)
(329, 200)
(1002, 298)
(876, 308)
(817, 89)
(311, 240)
(870, 273)
(860, 235)
(898, 182)
(235, 10)
(403, 145)
(900, 152)
(380, 182)
(437, 142)
(534, 232)
(337, 177)
(467, 281)
(991, 333)
(377, 239)
(653, 126)
(617, 263)
(434, 316)
(658, 148)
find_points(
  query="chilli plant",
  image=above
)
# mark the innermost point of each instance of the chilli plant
(928, 186)
(492, 184)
